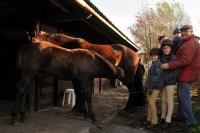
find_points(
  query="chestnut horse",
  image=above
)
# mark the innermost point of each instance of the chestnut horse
(79, 64)
(118, 54)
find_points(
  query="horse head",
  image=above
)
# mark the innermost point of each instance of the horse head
(65, 41)
(43, 36)
(119, 73)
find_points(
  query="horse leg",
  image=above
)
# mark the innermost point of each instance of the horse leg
(139, 95)
(80, 103)
(135, 88)
(87, 86)
(25, 105)
(20, 94)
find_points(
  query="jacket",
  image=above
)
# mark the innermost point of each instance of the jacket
(155, 76)
(170, 76)
(188, 60)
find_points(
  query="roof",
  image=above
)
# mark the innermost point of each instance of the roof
(78, 18)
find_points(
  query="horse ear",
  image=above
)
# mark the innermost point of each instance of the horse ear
(34, 40)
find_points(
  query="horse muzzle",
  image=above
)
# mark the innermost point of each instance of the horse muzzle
(120, 72)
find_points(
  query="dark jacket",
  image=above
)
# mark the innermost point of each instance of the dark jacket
(170, 76)
(188, 59)
(155, 76)
(177, 41)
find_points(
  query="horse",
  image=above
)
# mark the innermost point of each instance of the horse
(44, 57)
(118, 54)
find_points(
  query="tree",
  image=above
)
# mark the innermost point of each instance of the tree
(172, 15)
(150, 24)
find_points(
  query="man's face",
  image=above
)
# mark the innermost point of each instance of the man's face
(186, 33)
(177, 34)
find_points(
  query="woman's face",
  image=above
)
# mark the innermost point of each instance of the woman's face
(154, 57)
(166, 50)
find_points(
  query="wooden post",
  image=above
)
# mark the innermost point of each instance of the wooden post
(56, 92)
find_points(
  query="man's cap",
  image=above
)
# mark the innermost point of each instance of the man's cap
(177, 30)
(186, 27)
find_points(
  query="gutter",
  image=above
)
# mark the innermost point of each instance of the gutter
(87, 7)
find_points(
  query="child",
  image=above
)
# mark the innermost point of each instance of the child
(154, 85)
(169, 83)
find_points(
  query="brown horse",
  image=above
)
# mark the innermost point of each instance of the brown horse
(61, 63)
(119, 55)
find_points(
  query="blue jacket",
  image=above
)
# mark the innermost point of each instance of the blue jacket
(170, 76)
(155, 76)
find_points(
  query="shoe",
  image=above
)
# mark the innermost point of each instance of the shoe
(192, 125)
(166, 125)
(161, 121)
(145, 123)
(152, 126)
(179, 118)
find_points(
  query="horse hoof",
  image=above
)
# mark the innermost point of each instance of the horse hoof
(13, 120)
(125, 109)
(14, 123)
(22, 120)
(78, 110)
(98, 125)
(129, 110)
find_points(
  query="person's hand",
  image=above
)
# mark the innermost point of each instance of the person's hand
(165, 66)
(150, 92)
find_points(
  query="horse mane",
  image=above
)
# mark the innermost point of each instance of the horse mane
(65, 41)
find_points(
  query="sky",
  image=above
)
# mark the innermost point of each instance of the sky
(122, 12)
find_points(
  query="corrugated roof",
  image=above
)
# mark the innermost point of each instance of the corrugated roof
(104, 17)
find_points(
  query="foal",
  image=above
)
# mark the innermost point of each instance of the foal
(61, 63)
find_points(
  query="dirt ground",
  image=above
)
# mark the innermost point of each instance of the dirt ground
(108, 109)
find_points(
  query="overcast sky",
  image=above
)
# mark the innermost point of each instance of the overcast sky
(122, 12)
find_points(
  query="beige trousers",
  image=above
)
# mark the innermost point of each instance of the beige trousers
(152, 110)
(167, 99)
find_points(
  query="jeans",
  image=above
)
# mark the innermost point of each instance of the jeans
(185, 102)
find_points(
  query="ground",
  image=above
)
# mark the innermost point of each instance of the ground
(108, 108)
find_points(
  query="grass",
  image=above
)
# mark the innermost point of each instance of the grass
(196, 106)
(196, 109)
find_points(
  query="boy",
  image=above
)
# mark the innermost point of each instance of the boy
(154, 85)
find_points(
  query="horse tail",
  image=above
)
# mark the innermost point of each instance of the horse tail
(19, 60)
(19, 57)
(116, 72)
(138, 83)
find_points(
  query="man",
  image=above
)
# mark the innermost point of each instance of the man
(176, 39)
(177, 43)
(177, 32)
(188, 60)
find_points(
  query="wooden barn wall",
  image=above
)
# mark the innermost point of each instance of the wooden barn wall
(11, 40)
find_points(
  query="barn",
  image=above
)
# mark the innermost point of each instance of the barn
(22, 18)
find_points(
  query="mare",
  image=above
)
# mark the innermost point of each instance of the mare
(44, 57)
(118, 54)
